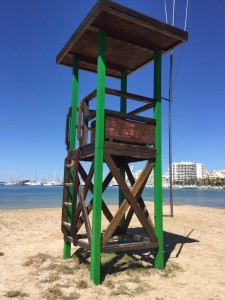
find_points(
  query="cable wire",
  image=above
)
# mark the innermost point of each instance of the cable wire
(165, 11)
(186, 15)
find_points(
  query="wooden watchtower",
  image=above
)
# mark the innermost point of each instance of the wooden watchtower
(114, 41)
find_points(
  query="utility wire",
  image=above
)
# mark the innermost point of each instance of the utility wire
(186, 15)
(165, 11)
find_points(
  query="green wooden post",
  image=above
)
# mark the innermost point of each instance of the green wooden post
(123, 108)
(73, 121)
(98, 162)
(159, 258)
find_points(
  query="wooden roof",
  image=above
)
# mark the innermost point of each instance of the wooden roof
(132, 39)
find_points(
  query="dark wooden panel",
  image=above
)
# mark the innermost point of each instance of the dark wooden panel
(126, 131)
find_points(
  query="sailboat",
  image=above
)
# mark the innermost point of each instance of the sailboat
(53, 182)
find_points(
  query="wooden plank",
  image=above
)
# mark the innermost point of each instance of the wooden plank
(129, 116)
(89, 97)
(140, 200)
(138, 237)
(129, 95)
(129, 247)
(141, 109)
(65, 196)
(74, 196)
(125, 150)
(130, 195)
(83, 244)
(115, 222)
(137, 18)
(105, 209)
(67, 225)
(68, 239)
(85, 214)
(126, 131)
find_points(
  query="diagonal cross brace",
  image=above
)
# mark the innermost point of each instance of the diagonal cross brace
(130, 200)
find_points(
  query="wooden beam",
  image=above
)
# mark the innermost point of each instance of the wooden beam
(129, 247)
(130, 197)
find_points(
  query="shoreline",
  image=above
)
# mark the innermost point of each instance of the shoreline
(31, 258)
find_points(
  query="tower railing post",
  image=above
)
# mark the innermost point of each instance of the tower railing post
(158, 212)
(72, 145)
(98, 161)
(123, 108)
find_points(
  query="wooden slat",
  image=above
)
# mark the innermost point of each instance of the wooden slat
(83, 244)
(67, 203)
(130, 151)
(137, 18)
(85, 214)
(110, 230)
(139, 198)
(130, 196)
(68, 184)
(90, 96)
(141, 109)
(68, 239)
(74, 196)
(129, 247)
(65, 196)
(105, 209)
(129, 116)
(129, 95)
(87, 179)
(66, 224)
(138, 237)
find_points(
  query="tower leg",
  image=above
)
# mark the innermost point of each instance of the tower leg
(74, 99)
(98, 162)
(159, 258)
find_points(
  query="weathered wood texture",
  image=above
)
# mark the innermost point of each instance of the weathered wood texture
(129, 48)
(126, 131)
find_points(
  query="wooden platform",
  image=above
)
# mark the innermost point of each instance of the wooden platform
(128, 32)
(128, 153)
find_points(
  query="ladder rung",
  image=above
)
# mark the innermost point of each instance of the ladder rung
(66, 224)
(68, 184)
(69, 165)
(69, 239)
(68, 203)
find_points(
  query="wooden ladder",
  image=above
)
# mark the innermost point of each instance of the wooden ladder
(67, 203)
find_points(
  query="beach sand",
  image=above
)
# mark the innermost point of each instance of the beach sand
(31, 264)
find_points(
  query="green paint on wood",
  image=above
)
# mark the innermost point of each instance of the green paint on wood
(73, 120)
(123, 108)
(98, 163)
(159, 258)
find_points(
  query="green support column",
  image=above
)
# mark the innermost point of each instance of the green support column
(123, 108)
(98, 163)
(73, 121)
(159, 258)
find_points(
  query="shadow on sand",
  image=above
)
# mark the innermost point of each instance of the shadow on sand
(122, 261)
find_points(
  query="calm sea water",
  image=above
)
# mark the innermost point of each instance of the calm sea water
(16, 197)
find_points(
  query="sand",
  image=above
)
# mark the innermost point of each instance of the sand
(31, 264)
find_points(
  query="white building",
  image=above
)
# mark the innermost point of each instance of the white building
(187, 170)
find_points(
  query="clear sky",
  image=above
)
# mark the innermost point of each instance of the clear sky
(35, 92)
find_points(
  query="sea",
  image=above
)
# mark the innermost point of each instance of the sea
(24, 197)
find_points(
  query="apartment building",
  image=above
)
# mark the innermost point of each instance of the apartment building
(187, 170)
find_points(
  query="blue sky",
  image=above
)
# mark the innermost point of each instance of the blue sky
(35, 92)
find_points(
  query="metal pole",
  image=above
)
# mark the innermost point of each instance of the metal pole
(73, 121)
(170, 120)
(98, 161)
(170, 134)
(158, 207)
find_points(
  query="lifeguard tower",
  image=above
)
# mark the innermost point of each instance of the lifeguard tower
(114, 41)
